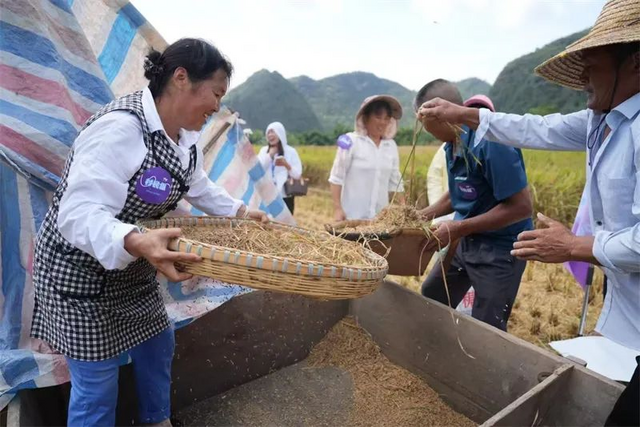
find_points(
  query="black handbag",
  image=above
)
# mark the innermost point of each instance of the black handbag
(296, 187)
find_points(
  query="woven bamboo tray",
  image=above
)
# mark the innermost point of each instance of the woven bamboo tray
(403, 248)
(258, 271)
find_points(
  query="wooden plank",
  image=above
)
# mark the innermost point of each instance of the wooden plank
(478, 369)
(420, 335)
(588, 401)
(531, 408)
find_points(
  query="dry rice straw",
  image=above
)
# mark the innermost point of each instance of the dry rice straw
(262, 239)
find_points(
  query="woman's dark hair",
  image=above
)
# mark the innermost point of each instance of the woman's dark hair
(199, 58)
(376, 107)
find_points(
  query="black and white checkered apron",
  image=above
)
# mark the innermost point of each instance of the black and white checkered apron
(82, 310)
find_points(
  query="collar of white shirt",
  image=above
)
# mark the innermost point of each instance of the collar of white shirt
(383, 142)
(625, 111)
(187, 138)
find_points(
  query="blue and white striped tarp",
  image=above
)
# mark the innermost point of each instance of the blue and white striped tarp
(60, 60)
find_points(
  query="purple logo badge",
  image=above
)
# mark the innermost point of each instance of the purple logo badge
(344, 142)
(468, 191)
(154, 186)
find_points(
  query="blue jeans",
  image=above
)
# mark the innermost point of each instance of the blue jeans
(94, 385)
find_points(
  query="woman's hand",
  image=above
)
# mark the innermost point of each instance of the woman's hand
(281, 161)
(260, 216)
(339, 215)
(153, 246)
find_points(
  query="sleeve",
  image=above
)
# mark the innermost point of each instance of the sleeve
(209, 197)
(436, 183)
(395, 180)
(619, 251)
(105, 157)
(552, 132)
(296, 164)
(503, 167)
(341, 165)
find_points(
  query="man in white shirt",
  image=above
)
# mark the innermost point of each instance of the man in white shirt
(606, 64)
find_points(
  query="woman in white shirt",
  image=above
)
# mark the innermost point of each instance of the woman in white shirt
(366, 169)
(96, 295)
(280, 160)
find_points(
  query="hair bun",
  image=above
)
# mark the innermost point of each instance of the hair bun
(152, 65)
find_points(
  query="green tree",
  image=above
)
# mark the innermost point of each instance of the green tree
(405, 137)
(315, 138)
(340, 129)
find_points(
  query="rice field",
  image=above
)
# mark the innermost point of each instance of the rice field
(549, 302)
(556, 178)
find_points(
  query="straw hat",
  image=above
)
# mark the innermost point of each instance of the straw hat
(619, 22)
(394, 104)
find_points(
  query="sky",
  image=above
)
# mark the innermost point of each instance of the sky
(408, 41)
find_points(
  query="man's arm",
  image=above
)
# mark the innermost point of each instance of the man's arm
(341, 165)
(513, 209)
(440, 208)
(336, 195)
(552, 132)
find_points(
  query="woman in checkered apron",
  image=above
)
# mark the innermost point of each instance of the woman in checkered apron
(97, 299)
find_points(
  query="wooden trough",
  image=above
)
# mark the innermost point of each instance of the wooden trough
(501, 380)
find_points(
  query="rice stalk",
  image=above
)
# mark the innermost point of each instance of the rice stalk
(265, 240)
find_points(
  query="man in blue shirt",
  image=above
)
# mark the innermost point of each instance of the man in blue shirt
(489, 194)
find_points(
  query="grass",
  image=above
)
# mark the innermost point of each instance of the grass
(549, 302)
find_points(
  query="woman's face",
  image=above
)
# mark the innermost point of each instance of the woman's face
(377, 123)
(202, 99)
(272, 137)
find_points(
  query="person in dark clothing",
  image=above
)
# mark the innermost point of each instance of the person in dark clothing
(489, 194)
